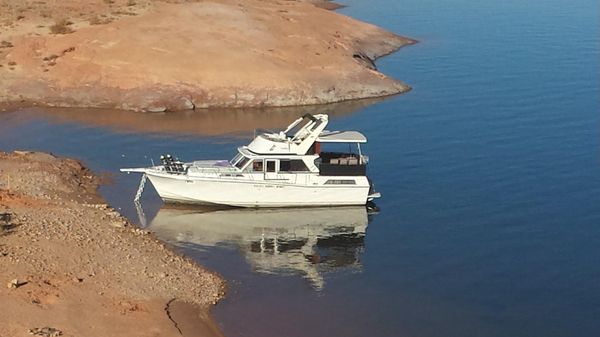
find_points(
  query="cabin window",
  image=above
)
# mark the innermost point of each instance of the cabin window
(296, 165)
(270, 166)
(340, 182)
(240, 164)
(257, 165)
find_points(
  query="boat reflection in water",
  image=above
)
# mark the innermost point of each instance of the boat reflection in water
(305, 241)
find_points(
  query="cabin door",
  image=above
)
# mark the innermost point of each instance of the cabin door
(271, 168)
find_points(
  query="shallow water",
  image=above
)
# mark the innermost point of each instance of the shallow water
(489, 171)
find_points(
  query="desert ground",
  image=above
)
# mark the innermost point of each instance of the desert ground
(158, 55)
(70, 265)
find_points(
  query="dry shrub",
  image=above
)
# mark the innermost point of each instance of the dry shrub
(97, 20)
(6, 44)
(61, 27)
(123, 13)
(50, 58)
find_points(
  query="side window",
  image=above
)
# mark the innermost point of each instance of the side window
(295, 165)
(270, 166)
(257, 165)
(298, 165)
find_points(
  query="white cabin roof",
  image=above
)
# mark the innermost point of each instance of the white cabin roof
(341, 137)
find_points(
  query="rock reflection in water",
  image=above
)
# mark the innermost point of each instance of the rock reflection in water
(208, 122)
(308, 241)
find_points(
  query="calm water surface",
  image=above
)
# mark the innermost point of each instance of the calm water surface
(489, 223)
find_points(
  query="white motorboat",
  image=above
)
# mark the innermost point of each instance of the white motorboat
(277, 169)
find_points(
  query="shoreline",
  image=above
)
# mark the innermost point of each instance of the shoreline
(156, 57)
(65, 254)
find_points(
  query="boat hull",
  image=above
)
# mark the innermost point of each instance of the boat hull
(257, 193)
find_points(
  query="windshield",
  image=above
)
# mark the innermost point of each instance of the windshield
(235, 159)
(294, 130)
(240, 164)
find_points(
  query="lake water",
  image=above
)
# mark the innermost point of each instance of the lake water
(489, 223)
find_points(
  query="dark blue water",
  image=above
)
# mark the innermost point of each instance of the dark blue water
(489, 223)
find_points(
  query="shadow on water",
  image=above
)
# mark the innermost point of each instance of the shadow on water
(209, 122)
(308, 242)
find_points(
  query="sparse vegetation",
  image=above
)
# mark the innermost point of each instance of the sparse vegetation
(124, 13)
(61, 27)
(5, 224)
(99, 20)
(95, 20)
(50, 58)
(6, 44)
(12, 63)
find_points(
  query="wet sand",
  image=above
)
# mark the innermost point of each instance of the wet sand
(71, 263)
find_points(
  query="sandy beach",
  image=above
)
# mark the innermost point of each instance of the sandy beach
(72, 265)
(183, 55)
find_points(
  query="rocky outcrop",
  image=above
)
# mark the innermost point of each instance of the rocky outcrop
(215, 53)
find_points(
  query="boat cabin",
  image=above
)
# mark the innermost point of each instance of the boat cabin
(303, 148)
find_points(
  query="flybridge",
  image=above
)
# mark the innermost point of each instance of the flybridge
(300, 136)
